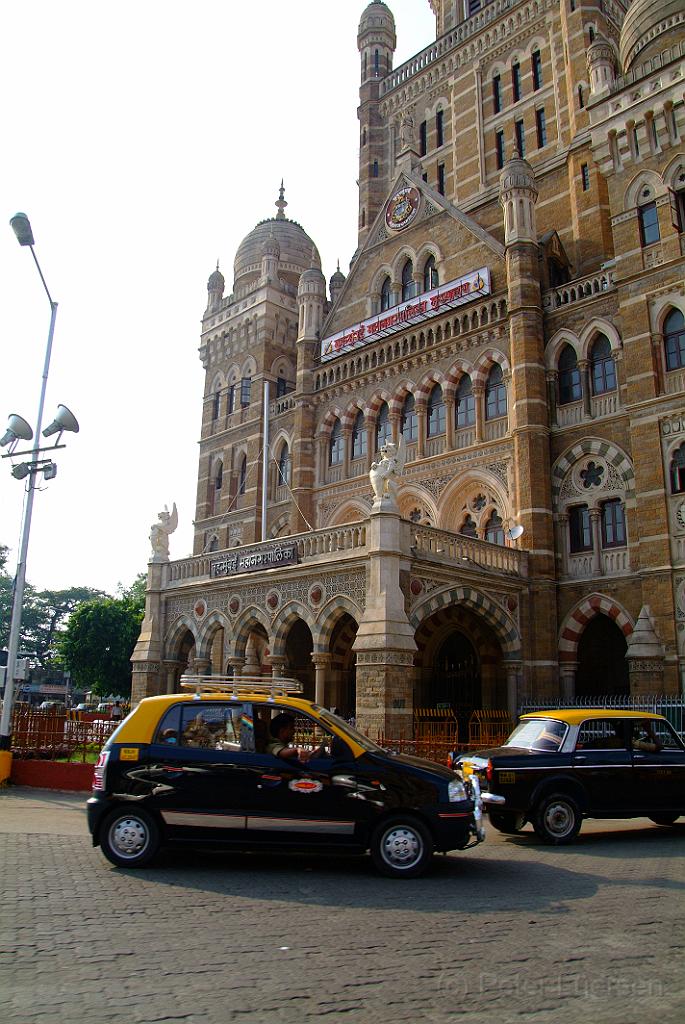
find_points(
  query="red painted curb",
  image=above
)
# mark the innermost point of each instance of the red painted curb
(52, 775)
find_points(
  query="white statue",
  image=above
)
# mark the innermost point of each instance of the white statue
(160, 533)
(406, 132)
(383, 475)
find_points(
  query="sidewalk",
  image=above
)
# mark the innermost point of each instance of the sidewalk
(28, 811)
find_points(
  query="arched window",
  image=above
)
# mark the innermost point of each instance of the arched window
(219, 478)
(678, 470)
(603, 368)
(430, 275)
(284, 466)
(495, 394)
(358, 436)
(494, 530)
(335, 456)
(216, 407)
(468, 528)
(383, 428)
(407, 280)
(410, 421)
(570, 387)
(386, 297)
(435, 413)
(674, 340)
(465, 406)
(242, 475)
(213, 544)
(375, 169)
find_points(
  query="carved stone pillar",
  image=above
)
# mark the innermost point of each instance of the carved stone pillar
(646, 656)
(567, 674)
(322, 664)
(236, 665)
(449, 424)
(551, 379)
(171, 672)
(564, 542)
(421, 422)
(595, 516)
(370, 431)
(277, 662)
(347, 447)
(513, 670)
(584, 369)
(478, 398)
(395, 293)
(202, 667)
(395, 426)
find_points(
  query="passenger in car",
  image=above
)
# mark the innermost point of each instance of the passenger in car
(197, 733)
(644, 738)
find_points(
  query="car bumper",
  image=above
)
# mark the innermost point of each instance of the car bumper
(96, 808)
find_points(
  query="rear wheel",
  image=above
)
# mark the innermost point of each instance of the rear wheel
(557, 819)
(507, 821)
(401, 848)
(129, 838)
(664, 819)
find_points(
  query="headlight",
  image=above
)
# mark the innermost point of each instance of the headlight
(456, 790)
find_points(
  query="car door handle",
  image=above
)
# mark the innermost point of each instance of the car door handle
(581, 757)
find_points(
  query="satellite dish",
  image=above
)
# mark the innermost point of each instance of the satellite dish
(515, 532)
(64, 420)
(17, 429)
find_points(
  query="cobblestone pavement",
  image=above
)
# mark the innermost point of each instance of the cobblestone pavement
(509, 932)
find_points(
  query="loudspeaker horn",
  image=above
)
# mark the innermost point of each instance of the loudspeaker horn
(17, 429)
(64, 420)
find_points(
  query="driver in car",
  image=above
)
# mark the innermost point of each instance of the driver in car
(282, 731)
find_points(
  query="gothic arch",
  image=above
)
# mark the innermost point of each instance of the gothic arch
(455, 496)
(504, 627)
(402, 389)
(286, 617)
(379, 277)
(404, 253)
(428, 383)
(612, 454)
(414, 496)
(217, 385)
(599, 326)
(279, 526)
(249, 618)
(579, 616)
(646, 179)
(662, 306)
(674, 171)
(203, 643)
(556, 344)
(175, 635)
(485, 363)
(353, 507)
(351, 412)
(328, 618)
(375, 402)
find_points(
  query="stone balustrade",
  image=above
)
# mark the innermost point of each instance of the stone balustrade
(577, 291)
(431, 543)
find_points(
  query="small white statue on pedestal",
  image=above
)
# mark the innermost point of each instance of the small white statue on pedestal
(160, 533)
(383, 475)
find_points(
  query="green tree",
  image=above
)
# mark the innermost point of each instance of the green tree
(98, 642)
(46, 615)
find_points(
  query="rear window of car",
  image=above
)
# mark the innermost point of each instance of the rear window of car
(538, 734)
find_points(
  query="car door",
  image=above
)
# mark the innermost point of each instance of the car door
(200, 765)
(603, 764)
(658, 766)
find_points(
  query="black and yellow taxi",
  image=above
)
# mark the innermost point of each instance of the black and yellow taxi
(558, 767)
(213, 765)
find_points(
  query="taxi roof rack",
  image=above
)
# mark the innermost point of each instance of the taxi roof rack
(239, 686)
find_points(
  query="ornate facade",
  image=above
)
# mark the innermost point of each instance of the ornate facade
(515, 312)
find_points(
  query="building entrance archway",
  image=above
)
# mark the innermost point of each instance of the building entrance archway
(602, 665)
(344, 666)
(298, 657)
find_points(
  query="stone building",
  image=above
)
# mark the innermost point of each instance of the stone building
(515, 312)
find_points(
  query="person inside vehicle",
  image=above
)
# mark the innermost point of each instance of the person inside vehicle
(644, 738)
(282, 731)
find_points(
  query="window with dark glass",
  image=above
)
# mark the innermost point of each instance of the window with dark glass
(375, 169)
(541, 128)
(230, 399)
(216, 407)
(436, 412)
(335, 455)
(613, 524)
(465, 405)
(383, 427)
(585, 176)
(649, 224)
(441, 179)
(245, 389)
(580, 529)
(680, 210)
(376, 63)
(219, 478)
(242, 475)
(499, 149)
(430, 275)
(674, 340)
(423, 139)
(407, 280)
(440, 127)
(386, 297)
(475, 6)
(284, 466)
(520, 133)
(358, 436)
(495, 394)
(468, 528)
(602, 366)
(536, 66)
(516, 81)
(570, 386)
(496, 94)
(494, 529)
(678, 470)
(581, 97)
(410, 421)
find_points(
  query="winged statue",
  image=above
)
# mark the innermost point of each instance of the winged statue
(161, 531)
(384, 473)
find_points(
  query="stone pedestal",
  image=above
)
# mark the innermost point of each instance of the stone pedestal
(385, 643)
(645, 656)
(149, 678)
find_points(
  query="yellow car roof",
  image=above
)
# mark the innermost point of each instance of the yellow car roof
(574, 716)
(140, 725)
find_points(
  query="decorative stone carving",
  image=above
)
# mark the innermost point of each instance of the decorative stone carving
(160, 533)
(383, 475)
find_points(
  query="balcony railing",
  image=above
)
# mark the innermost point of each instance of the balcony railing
(430, 542)
(493, 430)
(577, 291)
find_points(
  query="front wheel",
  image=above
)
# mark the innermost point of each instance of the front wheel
(557, 819)
(507, 822)
(664, 819)
(401, 848)
(129, 838)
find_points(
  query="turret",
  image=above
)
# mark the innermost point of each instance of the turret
(335, 284)
(518, 195)
(215, 290)
(601, 66)
(376, 41)
(271, 252)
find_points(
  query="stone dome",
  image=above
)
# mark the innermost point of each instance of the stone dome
(517, 173)
(295, 247)
(376, 16)
(337, 279)
(216, 281)
(648, 28)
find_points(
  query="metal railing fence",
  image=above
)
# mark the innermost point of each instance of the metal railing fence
(671, 706)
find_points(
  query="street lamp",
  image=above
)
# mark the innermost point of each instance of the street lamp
(19, 430)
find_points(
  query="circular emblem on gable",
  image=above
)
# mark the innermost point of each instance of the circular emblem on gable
(273, 600)
(316, 594)
(680, 516)
(200, 609)
(402, 208)
(234, 605)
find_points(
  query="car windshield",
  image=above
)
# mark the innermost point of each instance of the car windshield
(537, 734)
(328, 718)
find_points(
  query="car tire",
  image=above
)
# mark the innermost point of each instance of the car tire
(129, 838)
(664, 819)
(557, 819)
(401, 847)
(507, 821)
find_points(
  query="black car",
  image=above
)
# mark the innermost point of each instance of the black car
(558, 767)
(202, 768)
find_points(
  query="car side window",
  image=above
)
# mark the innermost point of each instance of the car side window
(602, 734)
(309, 736)
(169, 726)
(209, 726)
(653, 736)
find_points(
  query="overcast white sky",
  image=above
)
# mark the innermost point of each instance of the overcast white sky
(144, 140)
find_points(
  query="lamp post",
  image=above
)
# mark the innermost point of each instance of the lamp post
(20, 430)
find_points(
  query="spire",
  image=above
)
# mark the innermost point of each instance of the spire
(281, 203)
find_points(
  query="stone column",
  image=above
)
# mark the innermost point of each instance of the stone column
(202, 667)
(584, 369)
(322, 663)
(395, 426)
(513, 669)
(449, 423)
(237, 665)
(347, 450)
(385, 644)
(478, 397)
(277, 662)
(148, 677)
(369, 429)
(567, 674)
(551, 379)
(421, 421)
(595, 516)
(171, 671)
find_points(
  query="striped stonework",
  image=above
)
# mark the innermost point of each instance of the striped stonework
(593, 446)
(576, 621)
(506, 631)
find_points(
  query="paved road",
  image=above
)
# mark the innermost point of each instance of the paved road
(509, 932)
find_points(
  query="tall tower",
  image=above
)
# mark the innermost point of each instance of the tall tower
(376, 41)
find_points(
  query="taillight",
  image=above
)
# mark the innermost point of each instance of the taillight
(100, 770)
(489, 772)
(450, 759)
